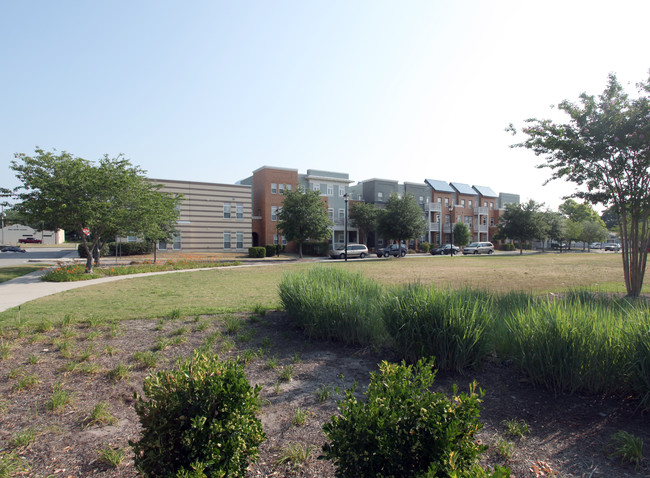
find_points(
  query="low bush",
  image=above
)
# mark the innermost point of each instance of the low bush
(450, 325)
(198, 418)
(272, 249)
(316, 248)
(404, 429)
(130, 248)
(507, 247)
(424, 247)
(256, 252)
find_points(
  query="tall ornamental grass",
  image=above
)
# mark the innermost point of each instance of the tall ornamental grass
(639, 368)
(576, 344)
(330, 303)
(449, 325)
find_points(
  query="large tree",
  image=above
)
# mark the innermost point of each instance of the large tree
(303, 216)
(604, 148)
(462, 235)
(364, 216)
(98, 200)
(523, 223)
(402, 219)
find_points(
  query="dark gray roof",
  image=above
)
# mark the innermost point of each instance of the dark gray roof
(485, 191)
(463, 188)
(441, 186)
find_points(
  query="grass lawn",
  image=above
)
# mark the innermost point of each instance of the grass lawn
(8, 273)
(242, 288)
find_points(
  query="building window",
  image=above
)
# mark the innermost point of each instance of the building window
(421, 199)
(162, 246)
(330, 190)
(274, 213)
(439, 199)
(226, 210)
(446, 201)
(240, 240)
(341, 213)
(131, 238)
(470, 203)
(437, 217)
(468, 221)
(281, 186)
(380, 196)
(284, 240)
(274, 188)
(177, 241)
(484, 203)
(275, 238)
(360, 197)
(380, 242)
(330, 214)
(315, 186)
(491, 221)
(341, 191)
(462, 203)
(447, 218)
(240, 211)
(226, 241)
(458, 218)
(492, 206)
(288, 187)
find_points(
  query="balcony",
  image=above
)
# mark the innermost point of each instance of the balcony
(483, 228)
(434, 226)
(433, 207)
(448, 228)
(482, 211)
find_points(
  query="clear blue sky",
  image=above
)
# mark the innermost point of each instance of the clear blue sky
(210, 90)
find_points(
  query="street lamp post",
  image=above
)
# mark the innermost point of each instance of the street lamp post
(346, 197)
(451, 228)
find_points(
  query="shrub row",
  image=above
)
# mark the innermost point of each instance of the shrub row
(576, 343)
(199, 420)
(256, 252)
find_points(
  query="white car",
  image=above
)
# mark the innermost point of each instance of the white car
(479, 248)
(354, 250)
(612, 246)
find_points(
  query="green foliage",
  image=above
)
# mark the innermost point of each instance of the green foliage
(516, 428)
(303, 216)
(100, 416)
(111, 456)
(201, 412)
(462, 234)
(364, 216)
(130, 248)
(59, 399)
(404, 429)
(315, 248)
(81, 250)
(23, 438)
(603, 147)
(294, 453)
(330, 303)
(523, 222)
(11, 464)
(110, 197)
(271, 249)
(402, 219)
(639, 367)
(424, 247)
(627, 447)
(507, 247)
(257, 252)
(448, 325)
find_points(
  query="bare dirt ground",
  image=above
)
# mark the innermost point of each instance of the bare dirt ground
(569, 435)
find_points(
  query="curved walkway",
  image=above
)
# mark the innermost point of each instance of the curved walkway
(30, 286)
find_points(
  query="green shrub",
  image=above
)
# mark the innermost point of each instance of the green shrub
(449, 325)
(256, 252)
(201, 416)
(316, 248)
(404, 429)
(507, 247)
(272, 249)
(424, 247)
(130, 248)
(640, 365)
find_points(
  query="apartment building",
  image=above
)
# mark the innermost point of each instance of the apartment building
(212, 217)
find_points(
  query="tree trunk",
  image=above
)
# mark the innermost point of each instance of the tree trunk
(300, 249)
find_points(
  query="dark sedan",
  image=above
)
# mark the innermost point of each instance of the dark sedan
(446, 250)
(11, 249)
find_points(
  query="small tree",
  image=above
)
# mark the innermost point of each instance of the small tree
(303, 216)
(605, 147)
(522, 222)
(364, 216)
(462, 235)
(592, 231)
(402, 219)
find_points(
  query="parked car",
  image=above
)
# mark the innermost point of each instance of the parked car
(354, 250)
(29, 240)
(595, 245)
(559, 245)
(392, 250)
(479, 248)
(612, 246)
(11, 249)
(445, 249)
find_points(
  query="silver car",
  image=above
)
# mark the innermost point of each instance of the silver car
(354, 250)
(479, 248)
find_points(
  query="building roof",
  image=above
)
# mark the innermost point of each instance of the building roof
(440, 186)
(485, 191)
(463, 188)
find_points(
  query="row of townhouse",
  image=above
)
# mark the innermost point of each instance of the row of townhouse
(234, 217)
